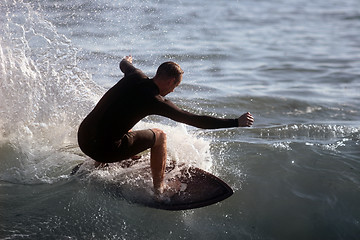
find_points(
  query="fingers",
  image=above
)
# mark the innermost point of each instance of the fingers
(246, 120)
(250, 118)
(128, 58)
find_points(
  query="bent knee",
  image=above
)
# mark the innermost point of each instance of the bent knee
(160, 135)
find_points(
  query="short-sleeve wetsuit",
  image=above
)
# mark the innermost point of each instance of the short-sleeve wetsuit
(104, 134)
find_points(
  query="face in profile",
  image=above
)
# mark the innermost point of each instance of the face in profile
(170, 86)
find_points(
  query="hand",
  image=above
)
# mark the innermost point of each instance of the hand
(245, 120)
(128, 58)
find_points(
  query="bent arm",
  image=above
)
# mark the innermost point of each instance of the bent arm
(126, 65)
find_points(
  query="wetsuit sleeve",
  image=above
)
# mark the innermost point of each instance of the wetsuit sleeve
(167, 109)
(126, 67)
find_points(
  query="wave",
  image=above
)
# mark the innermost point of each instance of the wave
(332, 139)
(319, 132)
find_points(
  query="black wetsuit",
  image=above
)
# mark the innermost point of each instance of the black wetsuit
(101, 134)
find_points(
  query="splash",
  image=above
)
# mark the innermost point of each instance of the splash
(44, 95)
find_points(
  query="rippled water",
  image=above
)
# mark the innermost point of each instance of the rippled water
(293, 64)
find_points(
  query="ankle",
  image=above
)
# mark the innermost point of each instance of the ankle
(159, 188)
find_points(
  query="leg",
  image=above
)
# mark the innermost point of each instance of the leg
(135, 142)
(102, 164)
(135, 157)
(127, 147)
(158, 160)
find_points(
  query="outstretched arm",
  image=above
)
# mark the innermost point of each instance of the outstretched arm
(166, 108)
(126, 65)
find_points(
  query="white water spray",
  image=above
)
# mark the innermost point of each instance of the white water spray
(44, 95)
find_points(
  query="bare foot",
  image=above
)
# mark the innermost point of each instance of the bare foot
(171, 188)
(173, 185)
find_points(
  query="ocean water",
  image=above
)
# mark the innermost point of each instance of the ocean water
(293, 64)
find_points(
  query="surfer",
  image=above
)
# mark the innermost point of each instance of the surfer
(105, 136)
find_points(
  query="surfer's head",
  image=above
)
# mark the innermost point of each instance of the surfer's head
(168, 77)
(170, 70)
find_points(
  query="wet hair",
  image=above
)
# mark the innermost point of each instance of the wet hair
(170, 69)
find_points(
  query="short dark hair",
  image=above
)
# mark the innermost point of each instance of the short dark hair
(170, 69)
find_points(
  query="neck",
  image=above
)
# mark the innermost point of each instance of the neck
(164, 85)
(159, 83)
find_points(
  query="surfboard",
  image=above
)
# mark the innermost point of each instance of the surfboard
(196, 188)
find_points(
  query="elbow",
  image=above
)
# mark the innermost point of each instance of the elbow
(122, 66)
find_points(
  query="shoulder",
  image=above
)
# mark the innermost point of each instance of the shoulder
(148, 87)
